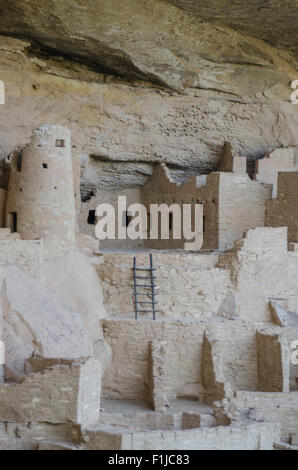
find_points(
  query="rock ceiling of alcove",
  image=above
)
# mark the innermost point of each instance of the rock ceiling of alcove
(275, 21)
(153, 40)
(174, 80)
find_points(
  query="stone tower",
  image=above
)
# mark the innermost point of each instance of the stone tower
(40, 198)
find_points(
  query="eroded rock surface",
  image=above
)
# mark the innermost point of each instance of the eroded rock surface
(146, 82)
(35, 321)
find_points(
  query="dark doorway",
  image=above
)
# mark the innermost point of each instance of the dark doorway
(12, 221)
(91, 218)
(19, 161)
(171, 221)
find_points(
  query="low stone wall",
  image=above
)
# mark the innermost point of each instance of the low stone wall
(128, 376)
(24, 436)
(275, 407)
(58, 394)
(254, 436)
(142, 421)
(273, 362)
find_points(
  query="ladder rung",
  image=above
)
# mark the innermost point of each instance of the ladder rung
(151, 293)
(143, 293)
(144, 269)
(145, 285)
(148, 311)
(144, 277)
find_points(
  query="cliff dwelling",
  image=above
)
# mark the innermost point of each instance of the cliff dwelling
(182, 337)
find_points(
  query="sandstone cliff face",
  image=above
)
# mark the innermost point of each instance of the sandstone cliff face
(141, 82)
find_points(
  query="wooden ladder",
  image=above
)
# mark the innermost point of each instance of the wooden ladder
(147, 289)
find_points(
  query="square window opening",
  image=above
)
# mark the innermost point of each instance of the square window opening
(60, 143)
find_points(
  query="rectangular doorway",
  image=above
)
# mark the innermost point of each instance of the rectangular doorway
(13, 221)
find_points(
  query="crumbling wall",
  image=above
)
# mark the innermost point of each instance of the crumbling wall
(232, 204)
(158, 385)
(242, 205)
(128, 376)
(273, 362)
(236, 347)
(283, 211)
(25, 436)
(212, 370)
(56, 394)
(267, 168)
(231, 162)
(261, 269)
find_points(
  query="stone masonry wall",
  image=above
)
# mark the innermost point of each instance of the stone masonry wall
(57, 394)
(129, 372)
(108, 197)
(208, 195)
(262, 269)
(189, 286)
(193, 286)
(268, 168)
(160, 189)
(242, 204)
(250, 436)
(274, 407)
(41, 194)
(273, 362)
(283, 211)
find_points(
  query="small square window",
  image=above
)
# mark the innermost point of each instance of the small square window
(60, 143)
(45, 165)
